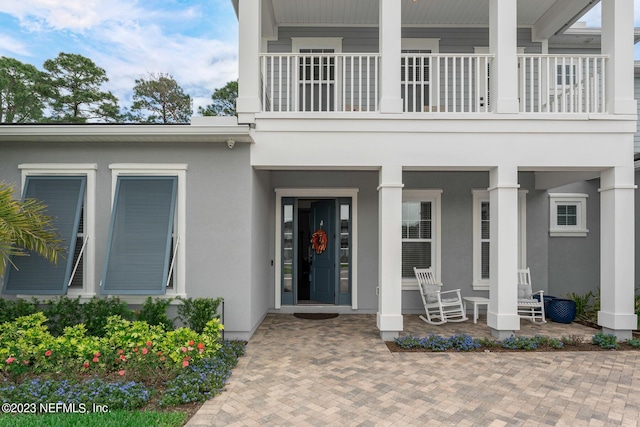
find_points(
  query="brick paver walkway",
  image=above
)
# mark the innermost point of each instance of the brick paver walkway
(338, 372)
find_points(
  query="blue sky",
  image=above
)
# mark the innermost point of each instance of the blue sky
(193, 40)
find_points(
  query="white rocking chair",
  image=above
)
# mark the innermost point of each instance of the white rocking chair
(440, 307)
(529, 307)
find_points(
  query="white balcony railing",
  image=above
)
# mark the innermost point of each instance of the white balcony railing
(430, 83)
(561, 83)
(445, 83)
(319, 82)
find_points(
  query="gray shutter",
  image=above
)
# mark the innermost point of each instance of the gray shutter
(64, 196)
(139, 248)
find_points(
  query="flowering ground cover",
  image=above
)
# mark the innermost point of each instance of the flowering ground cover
(465, 343)
(133, 366)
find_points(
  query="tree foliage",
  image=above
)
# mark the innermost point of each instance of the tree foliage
(158, 98)
(74, 82)
(24, 227)
(224, 101)
(21, 92)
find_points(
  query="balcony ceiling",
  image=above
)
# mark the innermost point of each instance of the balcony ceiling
(420, 12)
(545, 16)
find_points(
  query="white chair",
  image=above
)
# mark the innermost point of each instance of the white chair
(440, 307)
(529, 307)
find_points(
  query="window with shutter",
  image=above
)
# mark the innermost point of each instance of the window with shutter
(139, 246)
(34, 275)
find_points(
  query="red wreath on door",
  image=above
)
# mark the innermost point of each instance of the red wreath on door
(319, 241)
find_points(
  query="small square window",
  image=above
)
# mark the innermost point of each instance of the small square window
(568, 215)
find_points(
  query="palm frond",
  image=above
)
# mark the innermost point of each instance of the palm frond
(24, 228)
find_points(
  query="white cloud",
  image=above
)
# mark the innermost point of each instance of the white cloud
(10, 46)
(593, 18)
(74, 15)
(130, 52)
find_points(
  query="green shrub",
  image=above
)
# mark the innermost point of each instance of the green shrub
(583, 304)
(548, 342)
(154, 312)
(634, 342)
(135, 349)
(62, 312)
(197, 312)
(605, 340)
(11, 309)
(572, 340)
(96, 311)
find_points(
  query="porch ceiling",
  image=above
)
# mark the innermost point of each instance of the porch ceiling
(542, 13)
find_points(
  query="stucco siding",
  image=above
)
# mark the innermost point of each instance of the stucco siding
(574, 262)
(218, 213)
(262, 247)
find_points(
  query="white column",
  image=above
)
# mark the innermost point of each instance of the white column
(390, 53)
(503, 43)
(502, 315)
(249, 41)
(617, 43)
(617, 244)
(389, 316)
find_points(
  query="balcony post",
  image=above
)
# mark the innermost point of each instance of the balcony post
(503, 43)
(617, 43)
(502, 316)
(389, 317)
(390, 52)
(617, 260)
(249, 40)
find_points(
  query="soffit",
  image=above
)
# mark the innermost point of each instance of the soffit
(420, 12)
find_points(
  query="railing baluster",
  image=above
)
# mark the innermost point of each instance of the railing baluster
(470, 84)
(523, 87)
(454, 84)
(531, 86)
(360, 83)
(539, 62)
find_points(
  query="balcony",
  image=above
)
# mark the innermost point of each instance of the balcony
(430, 83)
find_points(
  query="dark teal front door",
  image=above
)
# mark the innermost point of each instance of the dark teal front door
(323, 259)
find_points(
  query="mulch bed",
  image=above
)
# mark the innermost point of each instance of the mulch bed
(575, 346)
(586, 346)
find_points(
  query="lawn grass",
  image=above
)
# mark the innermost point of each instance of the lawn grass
(106, 419)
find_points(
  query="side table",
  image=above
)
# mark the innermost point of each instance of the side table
(476, 301)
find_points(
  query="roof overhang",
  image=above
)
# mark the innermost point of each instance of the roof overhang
(583, 37)
(545, 17)
(202, 129)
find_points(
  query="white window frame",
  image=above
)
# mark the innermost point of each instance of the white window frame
(435, 197)
(481, 196)
(89, 256)
(576, 199)
(335, 43)
(431, 44)
(180, 222)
